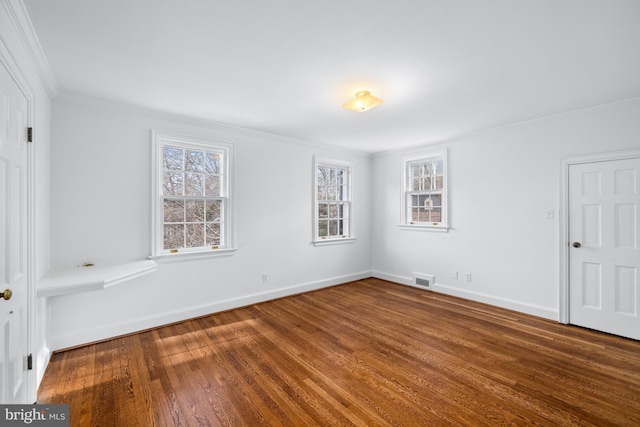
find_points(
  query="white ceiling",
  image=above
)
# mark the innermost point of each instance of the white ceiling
(443, 67)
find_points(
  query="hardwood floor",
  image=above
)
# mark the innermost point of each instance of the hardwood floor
(367, 353)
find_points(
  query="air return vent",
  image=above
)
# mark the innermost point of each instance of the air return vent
(424, 280)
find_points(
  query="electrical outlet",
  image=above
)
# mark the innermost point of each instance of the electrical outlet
(454, 274)
(265, 278)
(468, 277)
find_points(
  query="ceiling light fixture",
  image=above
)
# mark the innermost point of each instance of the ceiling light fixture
(363, 101)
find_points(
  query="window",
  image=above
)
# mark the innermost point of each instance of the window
(333, 209)
(191, 206)
(425, 191)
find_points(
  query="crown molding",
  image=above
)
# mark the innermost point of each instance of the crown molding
(89, 101)
(624, 103)
(17, 12)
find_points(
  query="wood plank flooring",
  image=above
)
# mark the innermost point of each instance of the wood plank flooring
(367, 353)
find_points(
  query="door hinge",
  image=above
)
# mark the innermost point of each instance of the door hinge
(30, 362)
(29, 134)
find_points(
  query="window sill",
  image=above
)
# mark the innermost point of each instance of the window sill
(192, 255)
(335, 241)
(424, 227)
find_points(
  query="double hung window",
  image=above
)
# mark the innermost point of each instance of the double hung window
(191, 195)
(333, 207)
(425, 190)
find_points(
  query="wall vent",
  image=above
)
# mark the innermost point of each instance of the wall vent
(424, 280)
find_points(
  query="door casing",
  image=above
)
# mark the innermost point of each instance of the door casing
(565, 164)
(6, 60)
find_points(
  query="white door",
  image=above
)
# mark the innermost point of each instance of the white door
(604, 260)
(13, 241)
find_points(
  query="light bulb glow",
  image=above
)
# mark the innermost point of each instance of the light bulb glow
(363, 101)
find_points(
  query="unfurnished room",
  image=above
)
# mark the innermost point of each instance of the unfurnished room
(299, 213)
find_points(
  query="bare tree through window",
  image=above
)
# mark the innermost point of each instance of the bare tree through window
(332, 199)
(193, 202)
(425, 190)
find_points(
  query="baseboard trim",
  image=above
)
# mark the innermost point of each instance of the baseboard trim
(79, 338)
(43, 358)
(519, 306)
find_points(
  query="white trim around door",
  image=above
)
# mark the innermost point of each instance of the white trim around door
(7, 61)
(564, 242)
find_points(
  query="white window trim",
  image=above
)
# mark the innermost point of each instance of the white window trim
(158, 253)
(443, 226)
(324, 161)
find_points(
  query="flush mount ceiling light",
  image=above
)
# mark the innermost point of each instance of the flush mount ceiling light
(363, 101)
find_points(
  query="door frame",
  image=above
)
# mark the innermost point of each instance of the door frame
(564, 242)
(7, 61)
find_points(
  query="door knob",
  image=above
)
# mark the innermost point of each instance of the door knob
(576, 244)
(6, 295)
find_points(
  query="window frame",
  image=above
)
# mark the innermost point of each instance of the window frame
(406, 162)
(160, 139)
(347, 202)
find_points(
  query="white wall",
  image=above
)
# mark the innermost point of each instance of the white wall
(501, 183)
(101, 213)
(17, 37)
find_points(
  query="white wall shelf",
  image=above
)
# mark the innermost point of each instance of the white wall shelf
(80, 279)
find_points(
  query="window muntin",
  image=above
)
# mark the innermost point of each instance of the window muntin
(192, 195)
(425, 190)
(192, 198)
(332, 201)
